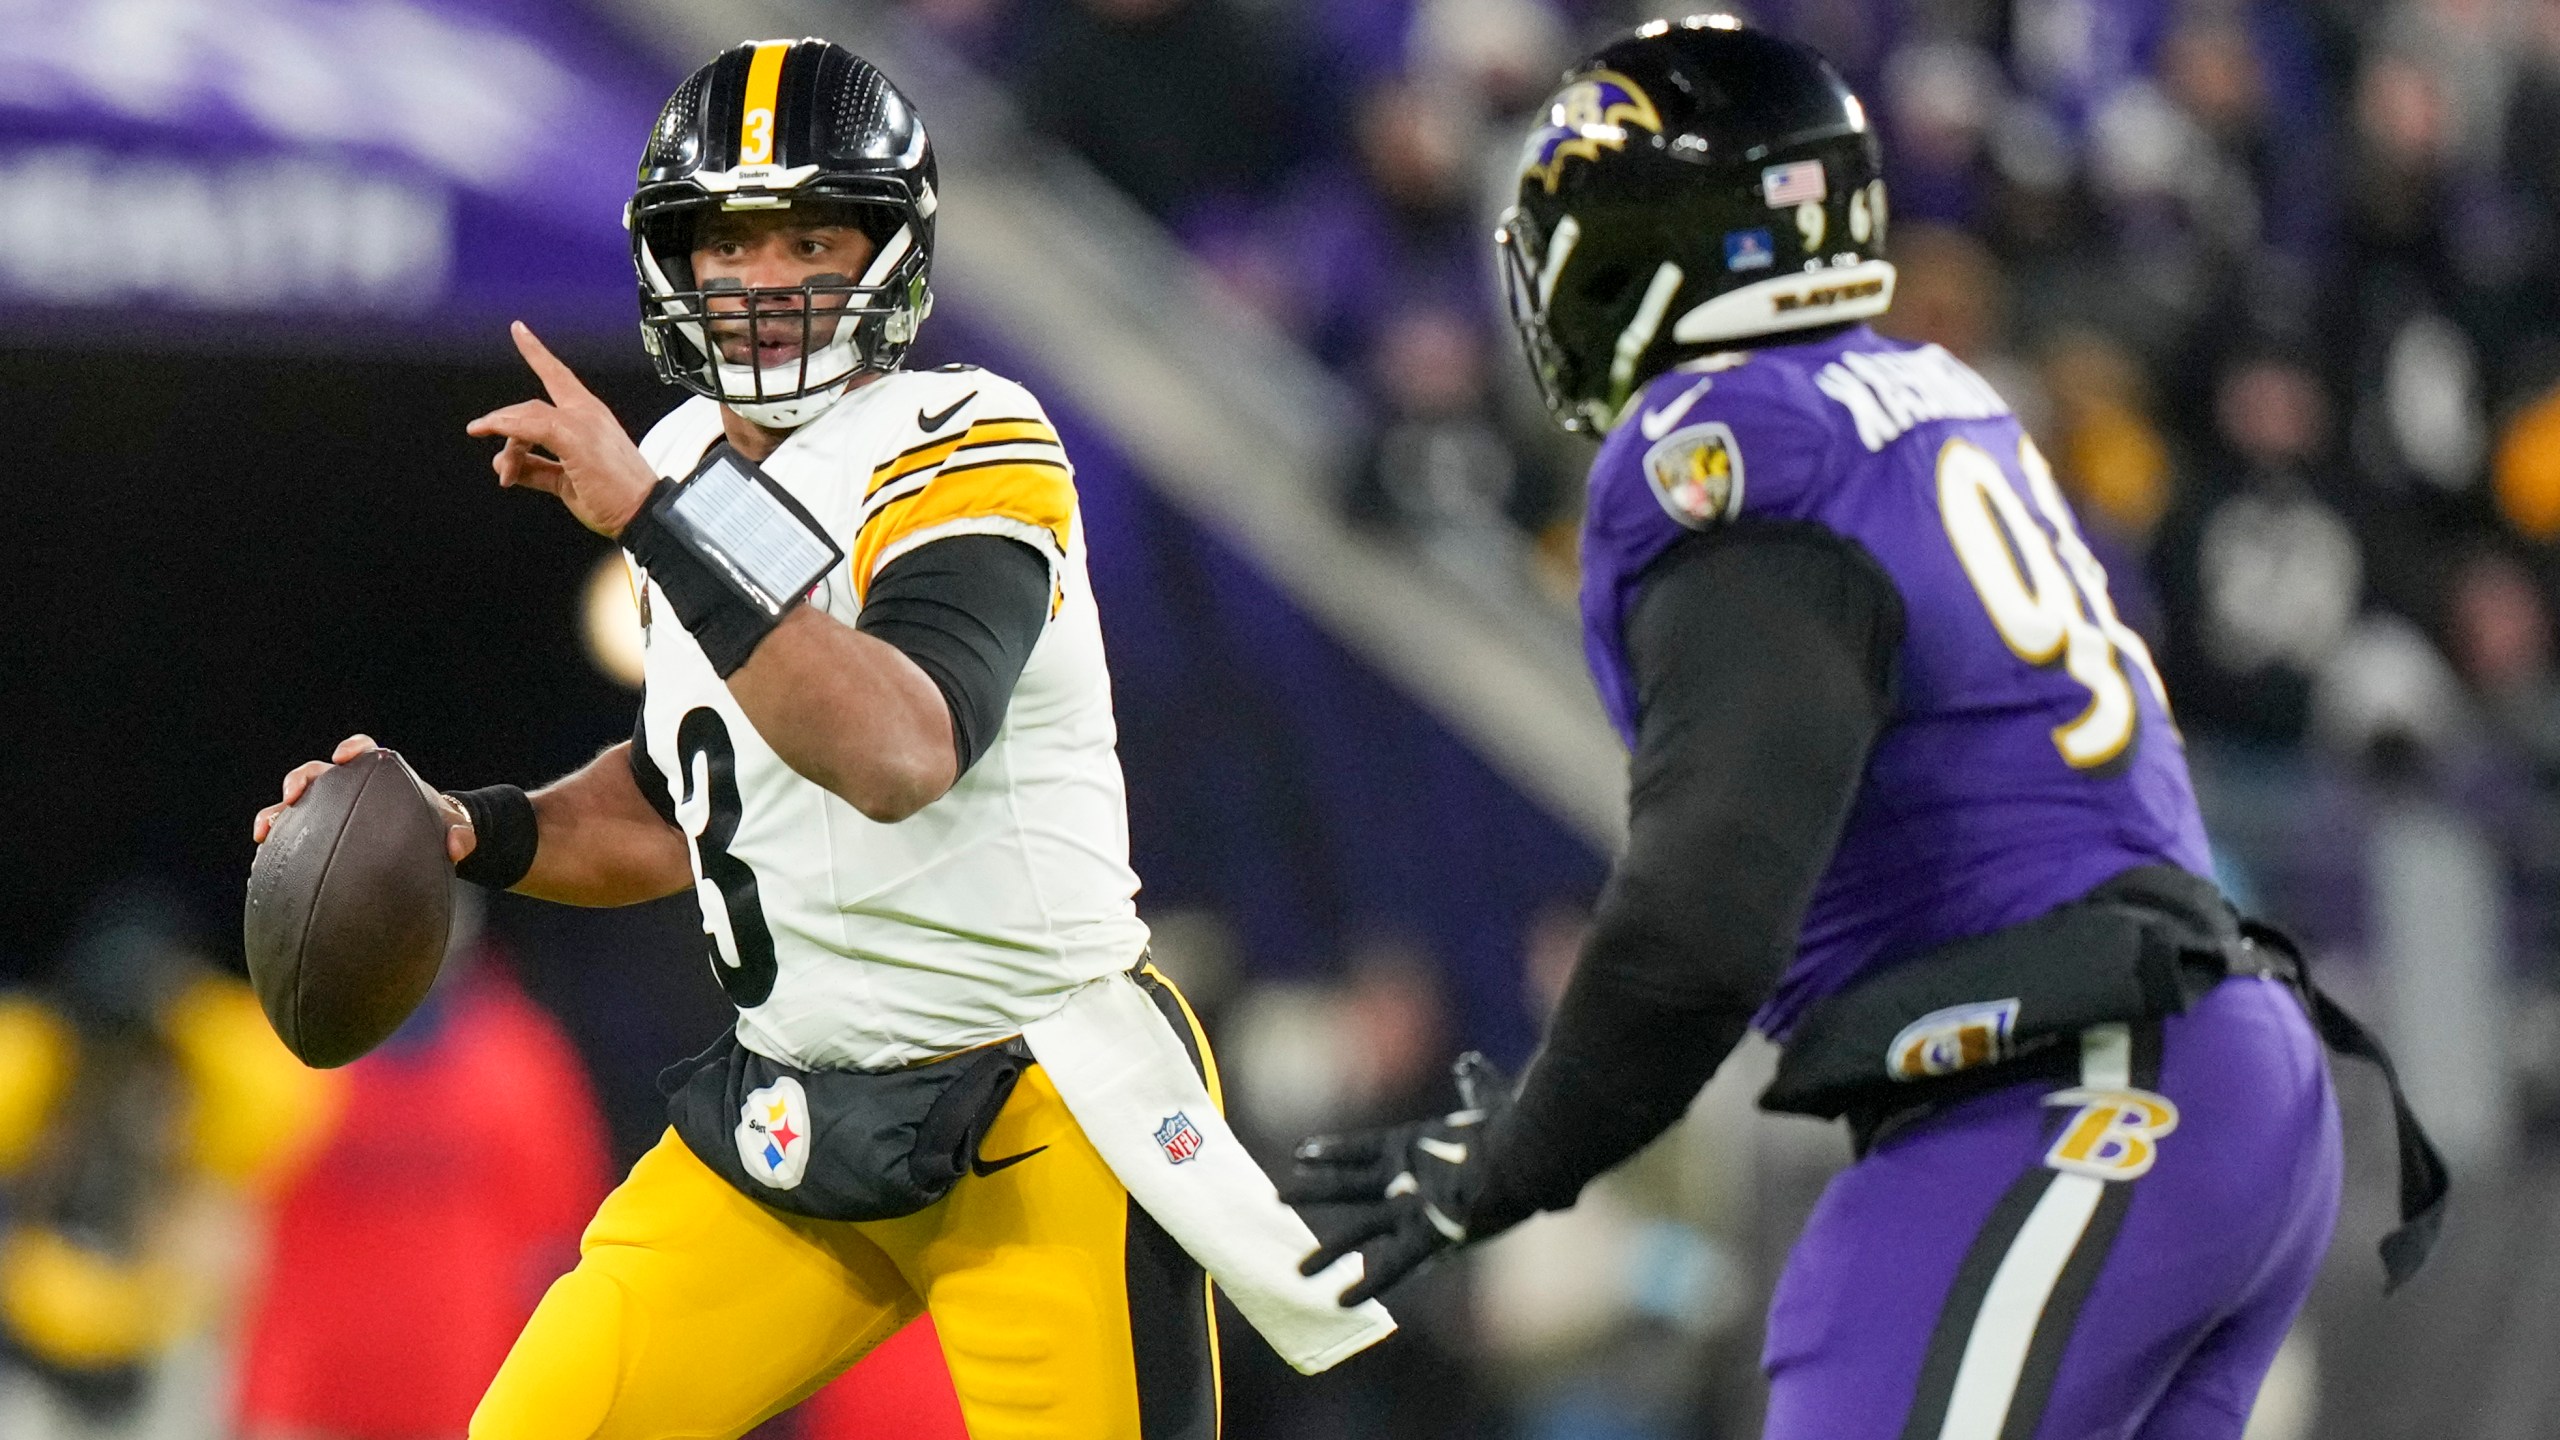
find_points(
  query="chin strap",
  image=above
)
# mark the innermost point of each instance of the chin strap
(793, 413)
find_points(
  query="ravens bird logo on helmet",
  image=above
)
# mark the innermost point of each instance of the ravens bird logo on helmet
(1588, 116)
(1693, 187)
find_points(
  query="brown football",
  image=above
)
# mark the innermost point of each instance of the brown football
(350, 902)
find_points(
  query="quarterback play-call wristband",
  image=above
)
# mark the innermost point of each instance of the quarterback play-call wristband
(732, 551)
(508, 832)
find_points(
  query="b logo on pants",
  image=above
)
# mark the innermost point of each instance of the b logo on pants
(2116, 1135)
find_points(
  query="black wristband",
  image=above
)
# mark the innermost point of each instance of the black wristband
(503, 819)
(720, 620)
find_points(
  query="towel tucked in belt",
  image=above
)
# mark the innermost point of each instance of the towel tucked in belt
(1130, 1085)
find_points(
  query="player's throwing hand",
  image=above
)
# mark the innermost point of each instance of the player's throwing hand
(459, 837)
(1399, 1194)
(591, 465)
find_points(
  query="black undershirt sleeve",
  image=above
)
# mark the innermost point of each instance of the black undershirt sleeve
(966, 609)
(645, 772)
(1763, 657)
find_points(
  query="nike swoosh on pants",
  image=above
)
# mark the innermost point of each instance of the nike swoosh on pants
(982, 1167)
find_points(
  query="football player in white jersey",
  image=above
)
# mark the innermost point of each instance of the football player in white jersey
(877, 741)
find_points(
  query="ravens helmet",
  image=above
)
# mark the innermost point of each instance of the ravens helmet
(1695, 186)
(785, 125)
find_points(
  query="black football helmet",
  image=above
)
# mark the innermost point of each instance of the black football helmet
(774, 125)
(1695, 186)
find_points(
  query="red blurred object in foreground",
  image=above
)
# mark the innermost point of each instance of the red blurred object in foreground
(900, 1391)
(415, 1245)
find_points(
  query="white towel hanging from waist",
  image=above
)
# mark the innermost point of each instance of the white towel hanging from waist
(1128, 1081)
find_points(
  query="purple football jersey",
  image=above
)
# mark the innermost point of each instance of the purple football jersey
(2030, 754)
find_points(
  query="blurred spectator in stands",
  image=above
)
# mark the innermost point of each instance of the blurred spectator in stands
(2499, 628)
(1506, 54)
(1438, 465)
(145, 1111)
(2405, 137)
(2427, 273)
(2528, 468)
(2260, 573)
(450, 1195)
(1949, 291)
(2532, 173)
(1353, 245)
(1396, 1031)
(2180, 213)
(2247, 77)
(1941, 98)
(1178, 102)
(2111, 461)
(2388, 709)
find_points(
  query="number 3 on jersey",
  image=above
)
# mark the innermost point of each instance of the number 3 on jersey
(710, 766)
(2045, 593)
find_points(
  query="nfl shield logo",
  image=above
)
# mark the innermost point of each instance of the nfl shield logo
(1179, 1137)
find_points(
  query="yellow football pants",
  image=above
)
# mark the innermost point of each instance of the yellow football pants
(1065, 1312)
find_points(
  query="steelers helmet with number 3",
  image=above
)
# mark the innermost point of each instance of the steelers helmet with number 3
(1696, 185)
(800, 125)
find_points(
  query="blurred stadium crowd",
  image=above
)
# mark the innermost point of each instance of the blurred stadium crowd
(2276, 285)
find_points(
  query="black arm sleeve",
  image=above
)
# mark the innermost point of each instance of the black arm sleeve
(967, 610)
(1763, 657)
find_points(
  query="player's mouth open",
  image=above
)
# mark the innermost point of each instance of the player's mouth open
(772, 340)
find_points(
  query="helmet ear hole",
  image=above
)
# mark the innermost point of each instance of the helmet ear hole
(1603, 284)
(1612, 291)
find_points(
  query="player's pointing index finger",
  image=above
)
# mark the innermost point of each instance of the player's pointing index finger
(558, 379)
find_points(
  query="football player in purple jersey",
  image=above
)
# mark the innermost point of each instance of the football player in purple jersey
(1906, 796)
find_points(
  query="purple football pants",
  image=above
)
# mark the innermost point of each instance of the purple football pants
(2117, 1258)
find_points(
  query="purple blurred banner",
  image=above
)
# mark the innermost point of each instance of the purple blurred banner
(442, 164)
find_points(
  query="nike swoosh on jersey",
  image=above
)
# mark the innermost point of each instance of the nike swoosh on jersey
(930, 423)
(1658, 423)
(983, 1167)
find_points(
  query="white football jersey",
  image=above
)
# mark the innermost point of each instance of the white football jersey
(845, 942)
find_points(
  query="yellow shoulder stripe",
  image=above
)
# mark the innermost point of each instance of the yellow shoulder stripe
(934, 452)
(1032, 494)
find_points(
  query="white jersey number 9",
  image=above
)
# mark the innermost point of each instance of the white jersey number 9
(2045, 593)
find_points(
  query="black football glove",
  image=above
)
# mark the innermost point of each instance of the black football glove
(1400, 1194)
